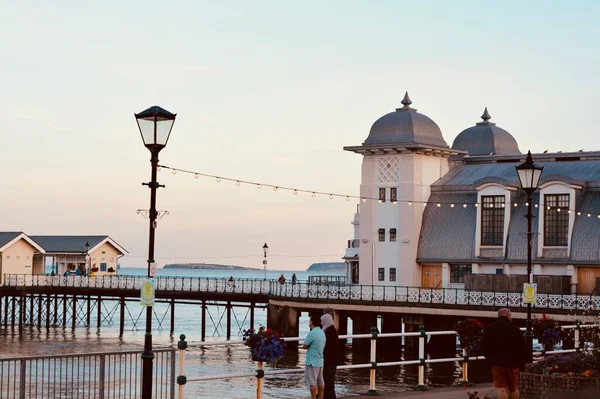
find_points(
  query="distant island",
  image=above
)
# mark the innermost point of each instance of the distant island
(204, 266)
(327, 267)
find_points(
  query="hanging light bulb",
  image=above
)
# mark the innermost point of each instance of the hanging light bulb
(527, 204)
(313, 194)
(589, 214)
(237, 183)
(259, 186)
(330, 196)
(380, 201)
(159, 169)
(451, 205)
(196, 175)
(275, 188)
(464, 205)
(491, 205)
(394, 202)
(516, 204)
(295, 192)
(439, 205)
(548, 208)
(578, 213)
(535, 205)
(409, 203)
(502, 205)
(364, 200)
(476, 204)
(218, 180)
(174, 172)
(347, 198)
(557, 209)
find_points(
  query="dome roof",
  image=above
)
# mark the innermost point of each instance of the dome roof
(405, 126)
(485, 138)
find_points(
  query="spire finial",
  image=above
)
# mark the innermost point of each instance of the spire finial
(406, 101)
(486, 115)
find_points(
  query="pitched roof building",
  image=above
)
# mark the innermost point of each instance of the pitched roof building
(448, 217)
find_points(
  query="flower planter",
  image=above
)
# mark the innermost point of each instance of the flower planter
(541, 386)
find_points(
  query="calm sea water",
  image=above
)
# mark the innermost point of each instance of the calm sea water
(211, 360)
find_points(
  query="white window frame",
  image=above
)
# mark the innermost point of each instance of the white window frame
(493, 189)
(556, 188)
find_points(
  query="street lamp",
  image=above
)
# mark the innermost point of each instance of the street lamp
(265, 250)
(87, 258)
(529, 176)
(155, 126)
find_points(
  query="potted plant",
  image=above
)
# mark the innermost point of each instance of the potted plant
(95, 269)
(111, 269)
(266, 345)
(547, 331)
(470, 332)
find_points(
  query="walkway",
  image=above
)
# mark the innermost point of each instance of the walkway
(435, 393)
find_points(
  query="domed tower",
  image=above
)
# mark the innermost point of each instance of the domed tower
(485, 138)
(403, 155)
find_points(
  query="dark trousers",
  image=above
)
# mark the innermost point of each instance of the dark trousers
(329, 378)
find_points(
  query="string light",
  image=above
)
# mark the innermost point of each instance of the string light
(364, 199)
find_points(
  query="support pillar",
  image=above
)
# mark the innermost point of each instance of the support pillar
(64, 321)
(172, 315)
(228, 310)
(31, 309)
(99, 312)
(122, 317)
(88, 315)
(40, 306)
(74, 308)
(55, 309)
(203, 333)
(252, 315)
(48, 299)
(391, 347)
(14, 312)
(21, 311)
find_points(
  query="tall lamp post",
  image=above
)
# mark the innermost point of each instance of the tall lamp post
(529, 176)
(155, 126)
(265, 250)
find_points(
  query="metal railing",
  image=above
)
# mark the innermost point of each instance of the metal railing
(456, 297)
(87, 375)
(421, 361)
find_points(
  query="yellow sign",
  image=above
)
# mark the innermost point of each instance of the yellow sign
(147, 293)
(529, 293)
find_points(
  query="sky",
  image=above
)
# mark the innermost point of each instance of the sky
(266, 91)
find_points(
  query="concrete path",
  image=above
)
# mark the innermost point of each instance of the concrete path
(435, 393)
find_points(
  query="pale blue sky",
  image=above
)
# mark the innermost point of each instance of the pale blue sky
(264, 91)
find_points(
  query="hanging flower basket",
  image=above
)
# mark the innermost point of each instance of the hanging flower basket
(470, 332)
(266, 345)
(547, 331)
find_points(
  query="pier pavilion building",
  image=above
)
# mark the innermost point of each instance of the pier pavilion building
(24, 254)
(454, 216)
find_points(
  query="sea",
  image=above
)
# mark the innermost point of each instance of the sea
(214, 360)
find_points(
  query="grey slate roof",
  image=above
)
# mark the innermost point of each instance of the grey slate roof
(585, 245)
(405, 126)
(448, 233)
(516, 249)
(468, 174)
(485, 138)
(8, 236)
(66, 244)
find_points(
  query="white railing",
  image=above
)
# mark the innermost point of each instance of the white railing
(421, 361)
(304, 290)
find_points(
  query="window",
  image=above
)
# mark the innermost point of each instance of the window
(355, 272)
(492, 220)
(382, 194)
(556, 220)
(393, 194)
(381, 235)
(102, 267)
(393, 274)
(393, 235)
(381, 274)
(499, 271)
(458, 273)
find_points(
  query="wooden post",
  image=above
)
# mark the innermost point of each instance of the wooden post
(74, 319)
(89, 311)
(172, 315)
(31, 308)
(259, 377)
(203, 333)
(6, 301)
(122, 317)
(99, 310)
(21, 311)
(251, 315)
(228, 309)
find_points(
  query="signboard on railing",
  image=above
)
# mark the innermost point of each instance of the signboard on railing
(147, 292)
(529, 293)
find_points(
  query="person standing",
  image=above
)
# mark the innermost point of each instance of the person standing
(315, 344)
(331, 355)
(503, 345)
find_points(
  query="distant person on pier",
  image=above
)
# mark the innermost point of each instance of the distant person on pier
(281, 279)
(315, 344)
(294, 278)
(503, 345)
(331, 355)
(231, 282)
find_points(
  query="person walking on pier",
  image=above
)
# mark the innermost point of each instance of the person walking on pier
(331, 355)
(503, 345)
(315, 344)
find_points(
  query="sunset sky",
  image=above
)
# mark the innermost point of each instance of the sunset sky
(267, 92)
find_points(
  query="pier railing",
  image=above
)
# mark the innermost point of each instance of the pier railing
(303, 290)
(463, 359)
(88, 375)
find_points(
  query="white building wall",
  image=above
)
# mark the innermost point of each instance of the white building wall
(415, 174)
